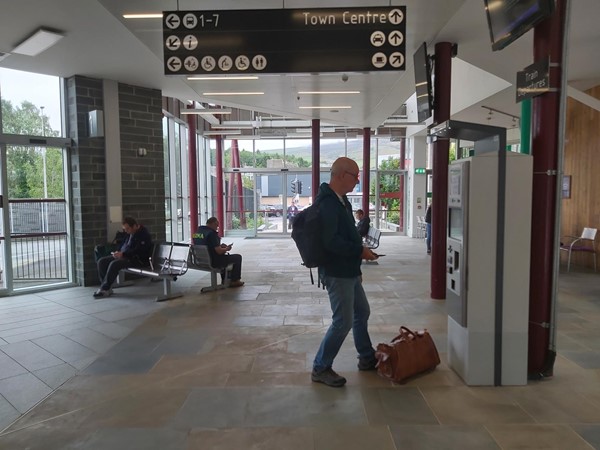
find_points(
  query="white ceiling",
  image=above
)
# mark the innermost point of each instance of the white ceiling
(99, 43)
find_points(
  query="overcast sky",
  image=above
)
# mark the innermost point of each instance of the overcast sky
(41, 90)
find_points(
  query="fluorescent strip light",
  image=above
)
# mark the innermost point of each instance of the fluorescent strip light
(143, 16)
(37, 42)
(245, 77)
(300, 131)
(327, 92)
(233, 93)
(222, 132)
(214, 111)
(325, 107)
(234, 125)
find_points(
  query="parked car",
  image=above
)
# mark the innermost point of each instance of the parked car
(271, 210)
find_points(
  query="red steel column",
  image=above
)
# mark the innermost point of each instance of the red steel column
(316, 157)
(545, 125)
(192, 172)
(219, 182)
(441, 113)
(401, 182)
(366, 175)
(229, 196)
(235, 162)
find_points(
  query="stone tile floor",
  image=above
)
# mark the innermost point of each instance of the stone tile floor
(230, 369)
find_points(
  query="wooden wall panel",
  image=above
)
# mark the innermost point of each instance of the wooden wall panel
(582, 163)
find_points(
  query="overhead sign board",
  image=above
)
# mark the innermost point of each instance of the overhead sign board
(365, 39)
(534, 80)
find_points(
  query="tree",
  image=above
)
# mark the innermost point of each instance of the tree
(389, 183)
(25, 165)
(247, 159)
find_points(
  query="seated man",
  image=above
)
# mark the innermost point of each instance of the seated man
(364, 223)
(135, 251)
(208, 235)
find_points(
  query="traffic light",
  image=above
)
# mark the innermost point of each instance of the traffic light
(294, 187)
(299, 187)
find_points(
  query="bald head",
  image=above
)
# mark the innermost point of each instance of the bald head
(344, 175)
(341, 165)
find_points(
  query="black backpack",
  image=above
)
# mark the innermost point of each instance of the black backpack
(306, 233)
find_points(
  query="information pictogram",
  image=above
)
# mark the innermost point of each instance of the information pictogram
(310, 40)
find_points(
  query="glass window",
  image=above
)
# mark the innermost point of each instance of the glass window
(31, 103)
(298, 153)
(270, 153)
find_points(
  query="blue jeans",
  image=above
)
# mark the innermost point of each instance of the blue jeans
(351, 310)
(428, 240)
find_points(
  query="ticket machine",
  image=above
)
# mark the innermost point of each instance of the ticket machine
(488, 255)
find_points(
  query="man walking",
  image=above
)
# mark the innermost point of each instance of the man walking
(342, 275)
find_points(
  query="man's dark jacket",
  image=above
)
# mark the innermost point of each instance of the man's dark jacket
(339, 238)
(138, 246)
(363, 226)
(207, 236)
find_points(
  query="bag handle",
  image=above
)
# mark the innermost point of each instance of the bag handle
(404, 330)
(407, 333)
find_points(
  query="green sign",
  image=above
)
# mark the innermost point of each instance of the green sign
(420, 170)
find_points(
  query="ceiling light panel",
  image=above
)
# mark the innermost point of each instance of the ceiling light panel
(38, 42)
(233, 93)
(327, 92)
(143, 16)
(324, 107)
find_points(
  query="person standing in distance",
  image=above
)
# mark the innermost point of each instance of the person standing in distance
(341, 276)
(428, 229)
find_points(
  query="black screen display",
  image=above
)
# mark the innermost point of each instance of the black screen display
(510, 19)
(423, 83)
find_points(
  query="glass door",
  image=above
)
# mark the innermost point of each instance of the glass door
(265, 201)
(390, 202)
(34, 232)
(3, 219)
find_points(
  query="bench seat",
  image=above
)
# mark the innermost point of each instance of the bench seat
(199, 259)
(372, 238)
(169, 261)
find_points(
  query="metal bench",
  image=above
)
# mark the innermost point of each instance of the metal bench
(169, 261)
(372, 238)
(199, 259)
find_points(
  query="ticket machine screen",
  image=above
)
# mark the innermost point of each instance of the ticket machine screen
(455, 223)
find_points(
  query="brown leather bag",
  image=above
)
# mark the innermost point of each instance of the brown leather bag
(409, 353)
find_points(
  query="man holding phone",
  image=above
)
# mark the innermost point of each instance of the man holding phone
(208, 235)
(341, 275)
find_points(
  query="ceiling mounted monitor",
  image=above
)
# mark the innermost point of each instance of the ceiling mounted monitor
(423, 84)
(510, 19)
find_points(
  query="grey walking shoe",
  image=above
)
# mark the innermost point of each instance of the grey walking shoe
(101, 293)
(367, 364)
(328, 377)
